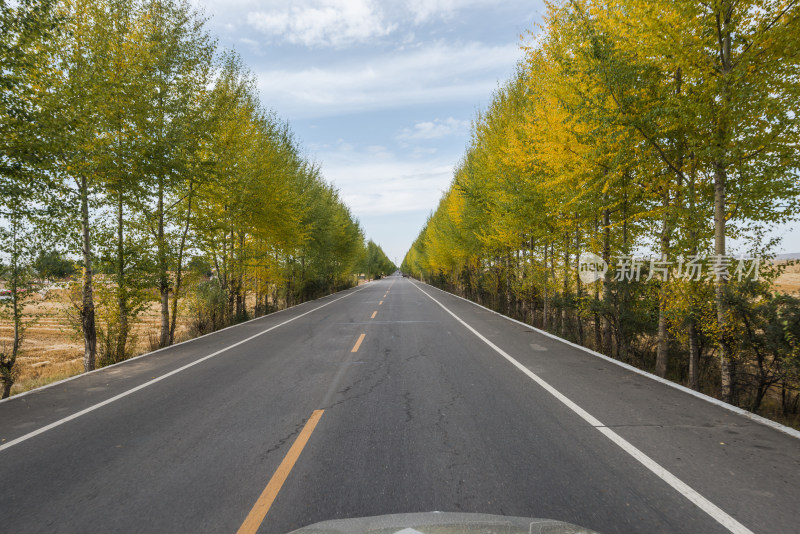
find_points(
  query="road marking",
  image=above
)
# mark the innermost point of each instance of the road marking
(265, 500)
(373, 322)
(381, 302)
(159, 379)
(358, 343)
(681, 487)
(730, 407)
(374, 314)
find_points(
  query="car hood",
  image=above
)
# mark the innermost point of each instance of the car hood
(443, 523)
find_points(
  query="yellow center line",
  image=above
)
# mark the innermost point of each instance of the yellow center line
(374, 314)
(262, 505)
(358, 343)
(381, 302)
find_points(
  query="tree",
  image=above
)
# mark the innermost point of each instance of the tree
(375, 263)
(738, 112)
(53, 264)
(174, 80)
(24, 27)
(72, 97)
(15, 236)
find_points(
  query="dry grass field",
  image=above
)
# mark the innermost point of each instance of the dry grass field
(789, 281)
(53, 349)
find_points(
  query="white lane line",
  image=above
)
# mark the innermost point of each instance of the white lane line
(701, 502)
(702, 396)
(159, 379)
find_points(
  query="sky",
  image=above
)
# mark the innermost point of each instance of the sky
(379, 93)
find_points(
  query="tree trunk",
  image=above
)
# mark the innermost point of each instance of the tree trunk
(555, 281)
(519, 302)
(87, 297)
(725, 362)
(662, 342)
(694, 345)
(565, 286)
(179, 271)
(122, 292)
(607, 343)
(532, 300)
(163, 274)
(546, 307)
(720, 205)
(303, 276)
(578, 287)
(508, 299)
(623, 345)
(694, 356)
(232, 289)
(662, 346)
(7, 362)
(598, 338)
(241, 295)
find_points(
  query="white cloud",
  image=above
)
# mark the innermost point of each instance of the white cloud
(379, 152)
(423, 151)
(373, 181)
(390, 188)
(426, 10)
(437, 73)
(317, 23)
(434, 129)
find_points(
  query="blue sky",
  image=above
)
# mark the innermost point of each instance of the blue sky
(380, 94)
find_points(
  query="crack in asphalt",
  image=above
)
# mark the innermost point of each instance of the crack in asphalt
(263, 456)
(369, 375)
(407, 406)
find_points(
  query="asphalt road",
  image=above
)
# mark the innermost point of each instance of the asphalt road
(440, 405)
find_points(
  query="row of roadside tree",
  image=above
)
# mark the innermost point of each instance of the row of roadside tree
(131, 144)
(652, 134)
